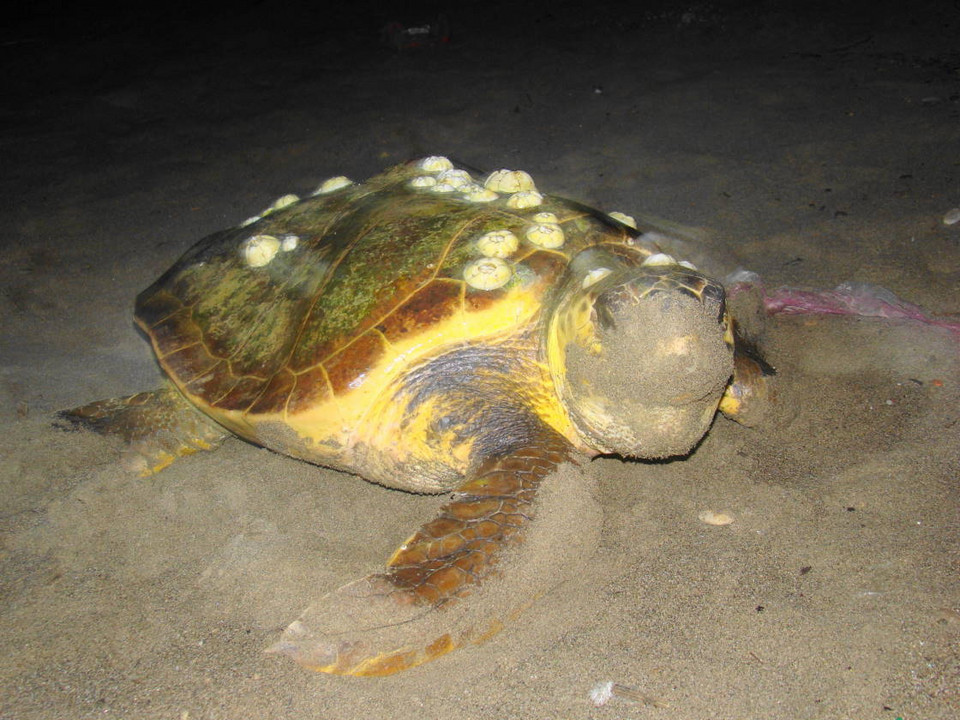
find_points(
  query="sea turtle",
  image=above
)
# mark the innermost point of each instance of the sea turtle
(432, 332)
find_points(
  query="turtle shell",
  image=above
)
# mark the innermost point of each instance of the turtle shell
(332, 294)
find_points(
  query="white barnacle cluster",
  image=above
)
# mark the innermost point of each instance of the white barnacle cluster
(440, 176)
(498, 243)
(509, 182)
(282, 202)
(435, 164)
(627, 220)
(259, 250)
(454, 180)
(492, 271)
(547, 235)
(331, 185)
(545, 231)
(479, 194)
(423, 181)
(663, 260)
(595, 276)
(658, 260)
(278, 204)
(487, 273)
(518, 185)
(524, 199)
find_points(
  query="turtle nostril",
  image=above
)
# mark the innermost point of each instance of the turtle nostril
(604, 314)
(712, 292)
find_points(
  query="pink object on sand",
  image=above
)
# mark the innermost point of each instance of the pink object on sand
(849, 298)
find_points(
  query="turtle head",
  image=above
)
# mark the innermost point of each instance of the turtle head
(640, 354)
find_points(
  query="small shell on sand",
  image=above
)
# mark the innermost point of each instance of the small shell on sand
(952, 216)
(714, 518)
(603, 692)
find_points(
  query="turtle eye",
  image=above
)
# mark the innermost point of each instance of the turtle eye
(713, 294)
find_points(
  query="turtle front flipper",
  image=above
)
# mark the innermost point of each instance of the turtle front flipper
(432, 597)
(753, 388)
(157, 427)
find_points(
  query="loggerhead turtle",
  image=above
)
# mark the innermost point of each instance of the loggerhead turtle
(432, 333)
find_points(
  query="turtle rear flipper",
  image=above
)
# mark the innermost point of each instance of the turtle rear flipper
(157, 427)
(434, 595)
